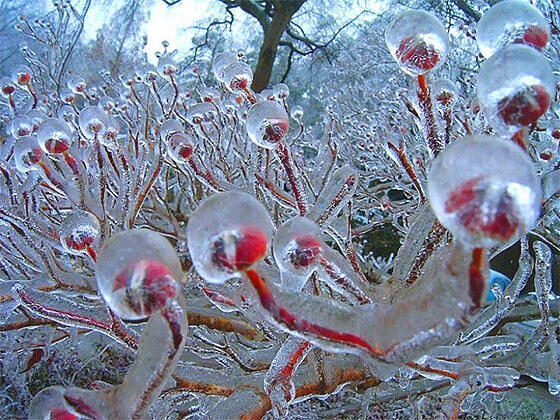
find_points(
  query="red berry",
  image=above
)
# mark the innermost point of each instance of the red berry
(307, 250)
(275, 132)
(56, 146)
(251, 247)
(535, 36)
(525, 107)
(418, 53)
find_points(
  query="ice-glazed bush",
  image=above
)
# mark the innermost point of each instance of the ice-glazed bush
(254, 260)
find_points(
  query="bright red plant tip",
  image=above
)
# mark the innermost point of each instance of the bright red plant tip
(463, 195)
(62, 414)
(186, 151)
(56, 146)
(525, 107)
(307, 250)
(275, 132)
(149, 270)
(79, 241)
(8, 90)
(416, 52)
(251, 247)
(239, 84)
(24, 78)
(535, 36)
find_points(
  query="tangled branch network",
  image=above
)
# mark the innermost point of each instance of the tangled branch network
(212, 235)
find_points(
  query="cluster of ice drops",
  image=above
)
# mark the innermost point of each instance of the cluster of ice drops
(483, 189)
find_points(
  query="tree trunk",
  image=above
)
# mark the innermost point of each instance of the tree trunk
(269, 46)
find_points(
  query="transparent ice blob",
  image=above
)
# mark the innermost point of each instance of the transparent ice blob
(417, 41)
(511, 22)
(137, 273)
(515, 86)
(297, 246)
(21, 74)
(237, 76)
(221, 61)
(79, 232)
(227, 234)
(20, 126)
(485, 191)
(267, 124)
(169, 127)
(54, 136)
(166, 66)
(27, 154)
(179, 147)
(92, 120)
(445, 92)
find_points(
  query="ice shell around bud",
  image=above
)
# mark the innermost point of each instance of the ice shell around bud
(515, 86)
(27, 154)
(511, 22)
(445, 92)
(21, 74)
(54, 136)
(179, 147)
(78, 232)
(7, 87)
(417, 41)
(267, 124)
(20, 126)
(297, 246)
(136, 272)
(226, 234)
(485, 191)
(221, 61)
(170, 127)
(166, 66)
(92, 120)
(237, 76)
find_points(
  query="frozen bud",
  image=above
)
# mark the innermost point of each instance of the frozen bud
(37, 116)
(20, 126)
(110, 131)
(66, 113)
(237, 76)
(79, 232)
(179, 147)
(485, 191)
(445, 92)
(137, 271)
(67, 96)
(106, 103)
(511, 22)
(515, 86)
(210, 95)
(76, 84)
(92, 120)
(267, 124)
(221, 61)
(27, 154)
(281, 90)
(297, 112)
(7, 87)
(169, 127)
(417, 41)
(166, 66)
(21, 75)
(554, 129)
(54, 136)
(297, 246)
(227, 234)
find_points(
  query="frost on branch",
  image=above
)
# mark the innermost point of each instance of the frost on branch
(234, 244)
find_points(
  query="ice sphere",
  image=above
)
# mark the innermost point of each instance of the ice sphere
(136, 272)
(20, 126)
(92, 120)
(237, 76)
(169, 127)
(54, 136)
(37, 117)
(281, 90)
(27, 154)
(267, 124)
(221, 61)
(106, 103)
(67, 96)
(296, 112)
(7, 87)
(201, 112)
(179, 147)
(79, 232)
(227, 234)
(445, 92)
(49, 404)
(515, 86)
(297, 246)
(166, 65)
(110, 131)
(485, 190)
(21, 74)
(417, 41)
(511, 22)
(76, 84)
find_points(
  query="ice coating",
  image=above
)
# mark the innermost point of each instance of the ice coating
(21, 74)
(267, 124)
(417, 41)
(221, 61)
(169, 127)
(511, 22)
(20, 126)
(515, 86)
(227, 234)
(92, 120)
(79, 232)
(297, 246)
(179, 147)
(54, 136)
(166, 66)
(137, 271)
(27, 154)
(445, 92)
(485, 191)
(199, 113)
(237, 76)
